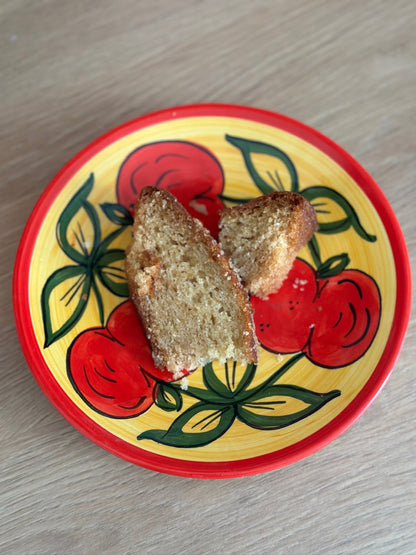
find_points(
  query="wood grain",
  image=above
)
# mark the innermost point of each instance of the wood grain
(70, 71)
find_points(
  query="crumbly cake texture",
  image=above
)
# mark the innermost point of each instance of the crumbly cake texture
(263, 236)
(189, 298)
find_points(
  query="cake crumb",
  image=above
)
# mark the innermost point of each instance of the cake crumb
(184, 384)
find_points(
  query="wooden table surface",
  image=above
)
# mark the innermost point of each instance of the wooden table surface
(70, 71)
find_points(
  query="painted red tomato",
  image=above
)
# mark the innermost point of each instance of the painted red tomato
(112, 368)
(105, 375)
(332, 320)
(189, 171)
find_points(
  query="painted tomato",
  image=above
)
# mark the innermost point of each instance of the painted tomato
(106, 377)
(332, 320)
(189, 171)
(112, 368)
(349, 309)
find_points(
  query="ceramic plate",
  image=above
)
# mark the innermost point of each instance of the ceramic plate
(329, 337)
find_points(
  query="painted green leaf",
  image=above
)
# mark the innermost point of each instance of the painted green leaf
(205, 395)
(78, 290)
(167, 397)
(271, 379)
(112, 276)
(278, 406)
(326, 202)
(106, 242)
(69, 233)
(246, 378)
(117, 213)
(333, 266)
(248, 148)
(199, 425)
(213, 383)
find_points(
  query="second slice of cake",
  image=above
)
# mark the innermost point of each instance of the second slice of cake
(263, 236)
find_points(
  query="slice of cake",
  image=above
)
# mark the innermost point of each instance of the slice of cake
(263, 236)
(189, 298)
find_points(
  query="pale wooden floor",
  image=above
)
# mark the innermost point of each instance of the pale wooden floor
(70, 71)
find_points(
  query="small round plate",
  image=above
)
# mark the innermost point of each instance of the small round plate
(329, 337)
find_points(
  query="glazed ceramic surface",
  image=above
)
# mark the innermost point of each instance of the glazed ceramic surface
(329, 337)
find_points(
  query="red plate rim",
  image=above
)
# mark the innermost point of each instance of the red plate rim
(221, 469)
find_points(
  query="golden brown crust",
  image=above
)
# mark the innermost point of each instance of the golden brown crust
(152, 267)
(277, 200)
